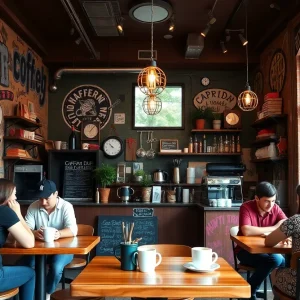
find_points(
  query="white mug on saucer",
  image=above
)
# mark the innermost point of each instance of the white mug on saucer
(203, 257)
(49, 233)
(146, 258)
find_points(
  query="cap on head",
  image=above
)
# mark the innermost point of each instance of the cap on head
(46, 188)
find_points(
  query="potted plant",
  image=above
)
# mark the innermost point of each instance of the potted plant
(105, 175)
(138, 175)
(146, 183)
(202, 114)
(217, 120)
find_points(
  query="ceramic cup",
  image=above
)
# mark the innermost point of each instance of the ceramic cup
(145, 258)
(126, 255)
(203, 257)
(57, 145)
(49, 233)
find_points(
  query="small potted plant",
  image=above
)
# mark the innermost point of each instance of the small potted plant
(146, 184)
(105, 175)
(217, 120)
(201, 115)
(138, 175)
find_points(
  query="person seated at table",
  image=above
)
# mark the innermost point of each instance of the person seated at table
(12, 222)
(285, 278)
(51, 211)
(256, 217)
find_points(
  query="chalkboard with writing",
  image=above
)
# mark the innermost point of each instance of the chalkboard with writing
(110, 232)
(78, 180)
(168, 144)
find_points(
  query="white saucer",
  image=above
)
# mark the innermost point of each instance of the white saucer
(191, 267)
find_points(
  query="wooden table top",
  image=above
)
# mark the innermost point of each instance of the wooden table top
(71, 245)
(256, 244)
(104, 277)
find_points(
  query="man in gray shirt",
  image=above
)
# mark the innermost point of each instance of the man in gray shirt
(51, 211)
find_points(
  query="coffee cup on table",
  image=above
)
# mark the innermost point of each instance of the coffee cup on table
(49, 234)
(126, 255)
(203, 257)
(145, 258)
(57, 145)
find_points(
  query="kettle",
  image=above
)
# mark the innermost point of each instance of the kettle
(160, 176)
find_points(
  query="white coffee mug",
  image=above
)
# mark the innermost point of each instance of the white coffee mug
(49, 233)
(203, 257)
(146, 258)
(57, 145)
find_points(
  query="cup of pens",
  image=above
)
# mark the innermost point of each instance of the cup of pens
(125, 250)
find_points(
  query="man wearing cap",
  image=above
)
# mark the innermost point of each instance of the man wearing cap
(51, 211)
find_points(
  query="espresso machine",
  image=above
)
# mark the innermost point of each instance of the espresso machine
(223, 181)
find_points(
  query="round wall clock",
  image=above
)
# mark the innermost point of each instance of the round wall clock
(205, 81)
(277, 71)
(90, 131)
(112, 147)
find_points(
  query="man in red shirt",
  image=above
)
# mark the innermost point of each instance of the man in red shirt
(255, 218)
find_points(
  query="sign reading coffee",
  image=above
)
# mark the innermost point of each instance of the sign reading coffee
(86, 103)
(217, 99)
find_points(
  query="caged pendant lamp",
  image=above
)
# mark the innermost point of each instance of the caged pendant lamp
(152, 80)
(247, 100)
(152, 105)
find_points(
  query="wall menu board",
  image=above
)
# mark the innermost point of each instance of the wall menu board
(110, 232)
(168, 144)
(78, 180)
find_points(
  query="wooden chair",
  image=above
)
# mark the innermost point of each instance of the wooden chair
(237, 266)
(170, 250)
(295, 264)
(77, 262)
(9, 294)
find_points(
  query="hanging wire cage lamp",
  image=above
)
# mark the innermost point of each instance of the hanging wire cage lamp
(247, 100)
(152, 80)
(152, 105)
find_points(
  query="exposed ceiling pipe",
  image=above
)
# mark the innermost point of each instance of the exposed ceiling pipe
(73, 16)
(58, 74)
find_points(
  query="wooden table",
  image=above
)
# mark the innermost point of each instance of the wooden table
(103, 277)
(256, 245)
(77, 245)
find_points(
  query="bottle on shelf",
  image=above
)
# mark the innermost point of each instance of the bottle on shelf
(221, 145)
(195, 147)
(238, 146)
(204, 144)
(72, 139)
(200, 146)
(226, 145)
(97, 196)
(215, 145)
(191, 145)
(232, 145)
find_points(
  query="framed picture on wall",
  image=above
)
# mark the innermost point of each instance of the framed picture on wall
(171, 114)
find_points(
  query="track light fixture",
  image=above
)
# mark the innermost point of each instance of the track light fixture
(206, 30)
(243, 40)
(171, 25)
(222, 44)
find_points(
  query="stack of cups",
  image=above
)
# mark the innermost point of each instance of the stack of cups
(190, 175)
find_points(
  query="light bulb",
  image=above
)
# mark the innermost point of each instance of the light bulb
(151, 79)
(247, 99)
(151, 103)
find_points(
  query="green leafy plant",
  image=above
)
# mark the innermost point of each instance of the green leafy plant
(146, 180)
(203, 113)
(139, 173)
(217, 116)
(105, 175)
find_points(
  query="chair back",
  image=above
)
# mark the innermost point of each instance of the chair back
(84, 229)
(233, 232)
(171, 249)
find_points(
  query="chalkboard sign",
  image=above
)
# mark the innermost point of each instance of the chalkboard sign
(168, 144)
(78, 180)
(110, 232)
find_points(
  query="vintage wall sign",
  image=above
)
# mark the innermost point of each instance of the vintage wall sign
(217, 99)
(86, 103)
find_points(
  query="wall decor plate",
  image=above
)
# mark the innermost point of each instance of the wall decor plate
(277, 72)
(232, 118)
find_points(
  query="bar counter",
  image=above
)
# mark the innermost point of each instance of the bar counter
(192, 224)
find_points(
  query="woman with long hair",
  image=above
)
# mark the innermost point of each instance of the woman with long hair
(12, 222)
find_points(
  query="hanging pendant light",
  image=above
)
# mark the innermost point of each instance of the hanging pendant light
(247, 100)
(152, 105)
(152, 80)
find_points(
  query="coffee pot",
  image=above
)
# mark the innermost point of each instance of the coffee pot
(125, 193)
(160, 176)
